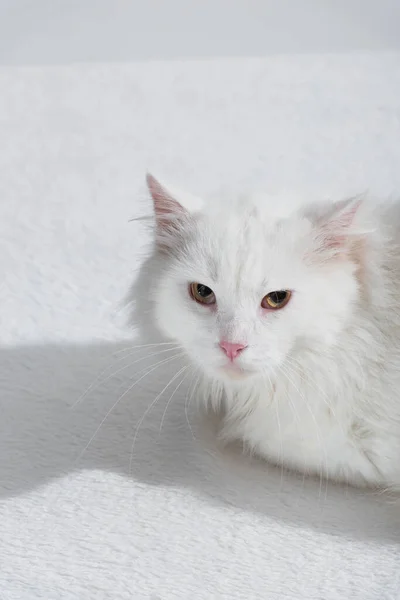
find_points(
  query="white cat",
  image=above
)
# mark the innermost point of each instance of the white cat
(293, 316)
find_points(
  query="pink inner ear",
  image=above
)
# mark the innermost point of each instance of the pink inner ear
(334, 241)
(164, 203)
(335, 231)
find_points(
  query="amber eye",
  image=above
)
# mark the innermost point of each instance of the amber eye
(276, 300)
(202, 294)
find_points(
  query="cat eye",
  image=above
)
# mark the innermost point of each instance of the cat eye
(202, 293)
(276, 300)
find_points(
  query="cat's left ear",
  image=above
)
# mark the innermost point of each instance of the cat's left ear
(172, 209)
(338, 225)
(170, 202)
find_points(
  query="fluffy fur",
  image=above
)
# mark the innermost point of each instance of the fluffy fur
(317, 387)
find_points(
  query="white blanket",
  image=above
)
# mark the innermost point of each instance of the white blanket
(83, 515)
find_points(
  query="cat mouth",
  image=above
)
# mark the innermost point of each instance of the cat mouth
(233, 371)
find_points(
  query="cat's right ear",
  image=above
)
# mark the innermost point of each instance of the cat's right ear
(172, 209)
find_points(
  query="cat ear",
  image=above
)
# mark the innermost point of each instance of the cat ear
(336, 226)
(165, 205)
(172, 208)
(170, 201)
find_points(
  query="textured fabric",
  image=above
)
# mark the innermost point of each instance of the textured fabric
(159, 511)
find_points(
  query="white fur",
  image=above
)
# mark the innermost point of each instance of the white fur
(320, 387)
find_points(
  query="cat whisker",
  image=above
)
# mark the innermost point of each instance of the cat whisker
(324, 396)
(144, 346)
(301, 370)
(142, 218)
(323, 450)
(147, 412)
(297, 417)
(98, 381)
(154, 367)
(170, 398)
(280, 434)
(188, 401)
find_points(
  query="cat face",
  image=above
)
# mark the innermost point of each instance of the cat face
(240, 287)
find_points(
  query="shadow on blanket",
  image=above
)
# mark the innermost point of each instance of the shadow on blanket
(44, 436)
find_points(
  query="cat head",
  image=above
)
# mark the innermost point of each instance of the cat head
(242, 284)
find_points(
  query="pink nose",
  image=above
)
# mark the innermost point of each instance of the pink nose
(231, 350)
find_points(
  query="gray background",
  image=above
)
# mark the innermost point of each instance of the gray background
(54, 31)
